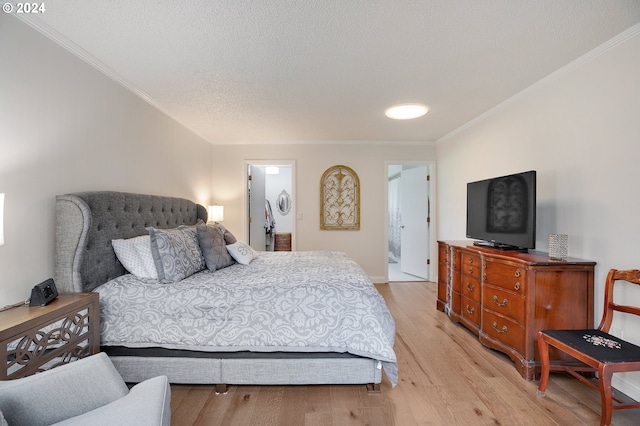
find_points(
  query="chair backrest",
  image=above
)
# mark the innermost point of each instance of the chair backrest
(632, 276)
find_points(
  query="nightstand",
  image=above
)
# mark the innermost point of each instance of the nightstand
(37, 338)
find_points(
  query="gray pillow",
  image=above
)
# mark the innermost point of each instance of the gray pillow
(176, 253)
(213, 246)
(229, 238)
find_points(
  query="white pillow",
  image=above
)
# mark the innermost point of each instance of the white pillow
(135, 255)
(241, 252)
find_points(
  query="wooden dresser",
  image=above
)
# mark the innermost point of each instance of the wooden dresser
(506, 297)
(282, 241)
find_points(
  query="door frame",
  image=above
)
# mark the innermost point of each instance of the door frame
(245, 205)
(433, 246)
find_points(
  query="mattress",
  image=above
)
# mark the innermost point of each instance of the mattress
(300, 302)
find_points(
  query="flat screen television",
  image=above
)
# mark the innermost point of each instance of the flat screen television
(501, 212)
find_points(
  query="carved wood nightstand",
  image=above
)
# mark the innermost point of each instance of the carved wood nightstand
(35, 338)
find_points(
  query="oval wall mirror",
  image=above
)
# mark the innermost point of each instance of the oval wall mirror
(283, 203)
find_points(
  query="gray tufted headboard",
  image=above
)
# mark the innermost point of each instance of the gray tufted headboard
(86, 222)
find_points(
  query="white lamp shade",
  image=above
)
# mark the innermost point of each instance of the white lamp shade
(1, 219)
(216, 213)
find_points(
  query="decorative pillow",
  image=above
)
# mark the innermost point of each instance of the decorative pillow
(229, 238)
(212, 244)
(242, 252)
(135, 256)
(176, 253)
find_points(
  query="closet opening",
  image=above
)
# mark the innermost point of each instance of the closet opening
(270, 205)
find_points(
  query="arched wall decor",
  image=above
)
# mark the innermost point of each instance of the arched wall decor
(340, 199)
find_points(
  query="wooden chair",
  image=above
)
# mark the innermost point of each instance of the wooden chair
(596, 349)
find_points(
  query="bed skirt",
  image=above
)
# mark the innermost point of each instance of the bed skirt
(244, 368)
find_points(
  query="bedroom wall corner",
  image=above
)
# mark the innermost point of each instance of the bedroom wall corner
(67, 128)
(580, 132)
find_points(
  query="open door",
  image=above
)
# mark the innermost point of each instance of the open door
(256, 191)
(414, 208)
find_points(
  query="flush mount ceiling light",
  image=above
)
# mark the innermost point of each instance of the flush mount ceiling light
(406, 111)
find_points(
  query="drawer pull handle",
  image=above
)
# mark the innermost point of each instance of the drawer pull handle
(484, 277)
(484, 265)
(470, 260)
(499, 330)
(517, 274)
(503, 303)
(470, 310)
(470, 287)
(517, 286)
(470, 270)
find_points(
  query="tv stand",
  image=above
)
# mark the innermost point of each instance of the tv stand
(506, 297)
(498, 246)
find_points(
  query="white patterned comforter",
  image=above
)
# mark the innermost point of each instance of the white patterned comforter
(283, 301)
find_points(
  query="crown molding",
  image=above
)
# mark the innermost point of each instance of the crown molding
(567, 69)
(327, 142)
(94, 62)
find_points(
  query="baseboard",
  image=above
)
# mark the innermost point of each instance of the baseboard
(626, 385)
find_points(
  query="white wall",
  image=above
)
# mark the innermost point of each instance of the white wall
(65, 127)
(581, 132)
(368, 245)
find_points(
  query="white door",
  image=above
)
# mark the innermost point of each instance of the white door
(414, 208)
(257, 236)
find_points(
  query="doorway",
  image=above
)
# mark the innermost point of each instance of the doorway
(409, 223)
(269, 204)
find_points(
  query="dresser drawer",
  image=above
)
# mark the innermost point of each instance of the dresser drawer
(505, 275)
(504, 302)
(442, 290)
(442, 254)
(455, 301)
(455, 260)
(470, 264)
(455, 281)
(471, 310)
(504, 330)
(471, 288)
(442, 272)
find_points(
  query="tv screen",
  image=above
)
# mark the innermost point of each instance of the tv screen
(502, 211)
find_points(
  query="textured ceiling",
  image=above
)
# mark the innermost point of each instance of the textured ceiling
(325, 70)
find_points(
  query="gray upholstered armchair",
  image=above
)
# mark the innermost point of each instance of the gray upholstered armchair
(85, 392)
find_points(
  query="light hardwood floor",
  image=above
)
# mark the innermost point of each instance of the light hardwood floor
(446, 378)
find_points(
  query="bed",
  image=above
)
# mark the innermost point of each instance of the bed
(274, 318)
